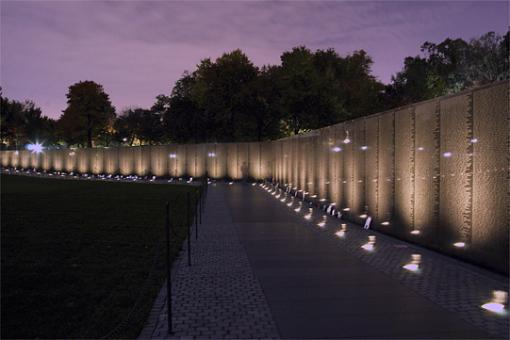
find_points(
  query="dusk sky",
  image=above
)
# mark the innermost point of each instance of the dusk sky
(137, 50)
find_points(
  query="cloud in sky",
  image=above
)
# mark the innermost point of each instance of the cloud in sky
(138, 49)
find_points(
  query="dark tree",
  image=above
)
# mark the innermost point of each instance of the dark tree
(89, 113)
(22, 123)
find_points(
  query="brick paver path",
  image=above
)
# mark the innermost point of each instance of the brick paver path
(218, 297)
(263, 271)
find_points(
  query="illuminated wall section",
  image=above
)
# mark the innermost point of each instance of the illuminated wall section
(24, 158)
(173, 160)
(371, 153)
(310, 161)
(243, 160)
(71, 161)
(277, 158)
(182, 160)
(58, 158)
(289, 165)
(191, 160)
(404, 172)
(201, 162)
(6, 158)
(266, 151)
(82, 156)
(46, 160)
(96, 160)
(358, 203)
(14, 159)
(34, 160)
(293, 161)
(321, 151)
(126, 160)
(143, 160)
(254, 159)
(455, 163)
(386, 182)
(348, 168)
(232, 161)
(491, 201)
(159, 158)
(301, 158)
(427, 144)
(220, 160)
(111, 160)
(335, 168)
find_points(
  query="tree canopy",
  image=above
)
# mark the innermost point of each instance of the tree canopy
(89, 114)
(230, 99)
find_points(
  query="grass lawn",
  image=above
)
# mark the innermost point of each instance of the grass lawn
(76, 254)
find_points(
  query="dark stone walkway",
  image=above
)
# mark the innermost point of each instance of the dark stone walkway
(317, 285)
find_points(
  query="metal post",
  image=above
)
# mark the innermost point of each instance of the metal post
(168, 271)
(188, 222)
(200, 205)
(195, 210)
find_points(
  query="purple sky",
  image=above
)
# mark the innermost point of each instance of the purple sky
(137, 50)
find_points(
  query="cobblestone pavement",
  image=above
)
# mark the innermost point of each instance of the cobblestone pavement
(218, 297)
(454, 285)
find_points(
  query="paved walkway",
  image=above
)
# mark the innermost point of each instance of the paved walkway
(262, 271)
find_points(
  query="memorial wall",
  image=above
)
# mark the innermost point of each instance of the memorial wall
(435, 173)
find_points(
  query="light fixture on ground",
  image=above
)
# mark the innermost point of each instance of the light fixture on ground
(370, 245)
(291, 202)
(346, 140)
(298, 209)
(346, 209)
(363, 216)
(385, 223)
(497, 304)
(415, 232)
(459, 244)
(309, 215)
(322, 223)
(414, 265)
(343, 230)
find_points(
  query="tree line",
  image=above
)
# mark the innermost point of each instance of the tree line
(230, 99)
